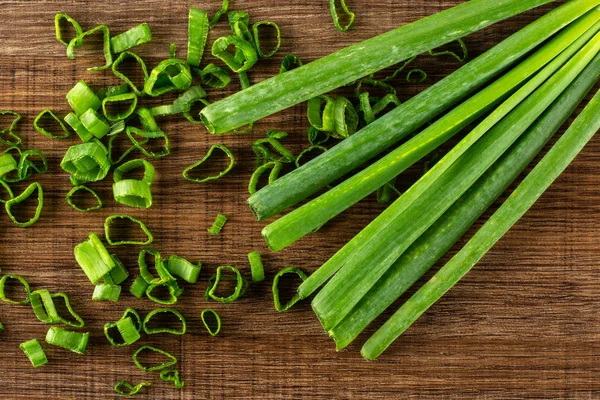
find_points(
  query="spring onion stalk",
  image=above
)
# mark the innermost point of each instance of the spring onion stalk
(317, 212)
(520, 201)
(38, 125)
(433, 244)
(34, 351)
(375, 250)
(404, 119)
(328, 269)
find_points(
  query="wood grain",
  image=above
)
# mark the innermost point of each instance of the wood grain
(522, 324)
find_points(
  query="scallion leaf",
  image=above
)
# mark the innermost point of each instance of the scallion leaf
(34, 351)
(175, 331)
(70, 340)
(133, 37)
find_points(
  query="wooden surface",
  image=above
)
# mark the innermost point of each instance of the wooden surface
(522, 324)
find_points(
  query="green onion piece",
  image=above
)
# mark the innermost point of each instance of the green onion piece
(78, 127)
(238, 287)
(173, 290)
(38, 126)
(214, 76)
(34, 351)
(133, 193)
(197, 35)
(271, 149)
(115, 68)
(8, 190)
(94, 123)
(158, 266)
(112, 150)
(365, 109)
(387, 191)
(106, 292)
(148, 368)
(321, 113)
(274, 166)
(453, 54)
(256, 266)
(146, 136)
(398, 70)
(422, 78)
(172, 375)
(191, 95)
(345, 118)
(7, 164)
(285, 90)
(124, 388)
(78, 41)
(21, 198)
(311, 149)
(58, 18)
(218, 225)
(114, 91)
(11, 174)
(207, 325)
(86, 161)
(385, 102)
(174, 331)
(169, 109)
(117, 128)
(70, 340)
(336, 18)
(107, 230)
(93, 258)
(184, 269)
(146, 119)
(127, 98)
(170, 74)
(256, 34)
(133, 37)
(45, 310)
(22, 281)
(172, 50)
(220, 13)
(1, 327)
(26, 166)
(127, 331)
(138, 287)
(10, 132)
(245, 56)
(289, 63)
(288, 270)
(519, 202)
(79, 188)
(187, 172)
(81, 98)
(118, 274)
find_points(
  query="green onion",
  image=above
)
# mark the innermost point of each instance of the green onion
(45, 310)
(443, 185)
(211, 331)
(8, 190)
(119, 273)
(422, 77)
(184, 269)
(172, 375)
(10, 204)
(93, 258)
(133, 37)
(115, 68)
(27, 167)
(78, 42)
(274, 166)
(220, 13)
(134, 192)
(94, 123)
(336, 19)
(214, 76)
(174, 331)
(237, 64)
(58, 18)
(256, 33)
(70, 340)
(74, 122)
(256, 266)
(310, 150)
(289, 63)
(197, 35)
(23, 283)
(148, 368)
(187, 172)
(238, 287)
(521, 200)
(86, 161)
(170, 284)
(158, 266)
(271, 149)
(7, 164)
(106, 292)
(80, 188)
(34, 351)
(81, 98)
(38, 126)
(128, 327)
(218, 225)
(121, 98)
(10, 131)
(170, 74)
(408, 117)
(277, 302)
(453, 54)
(132, 132)
(433, 244)
(317, 212)
(138, 287)
(124, 388)
(108, 226)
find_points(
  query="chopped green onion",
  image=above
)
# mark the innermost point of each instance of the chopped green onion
(106, 292)
(78, 127)
(274, 166)
(345, 118)
(245, 55)
(119, 273)
(238, 287)
(58, 18)
(121, 98)
(218, 225)
(115, 68)
(256, 266)
(170, 74)
(133, 37)
(86, 161)
(336, 18)
(225, 150)
(219, 13)
(453, 54)
(128, 327)
(81, 98)
(7, 164)
(289, 63)
(207, 325)
(169, 109)
(108, 227)
(37, 125)
(387, 191)
(80, 188)
(22, 281)
(197, 35)
(138, 287)
(45, 310)
(148, 368)
(34, 351)
(171, 375)
(214, 76)
(271, 149)
(146, 136)
(26, 166)
(184, 269)
(8, 190)
(134, 192)
(256, 34)
(124, 388)
(173, 290)
(21, 198)
(1, 327)
(174, 331)
(93, 258)
(158, 266)
(276, 301)
(311, 149)
(422, 78)
(78, 42)
(11, 129)
(70, 340)
(111, 150)
(94, 123)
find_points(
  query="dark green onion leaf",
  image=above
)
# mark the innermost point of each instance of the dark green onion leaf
(422, 77)
(10, 132)
(288, 270)
(78, 42)
(220, 13)
(197, 35)
(70, 340)
(80, 188)
(211, 331)
(453, 54)
(336, 18)
(152, 331)
(115, 68)
(10, 204)
(124, 388)
(37, 124)
(170, 74)
(58, 18)
(133, 134)
(236, 62)
(23, 283)
(34, 351)
(148, 368)
(187, 172)
(289, 62)
(274, 166)
(310, 150)
(133, 37)
(256, 33)
(214, 76)
(108, 225)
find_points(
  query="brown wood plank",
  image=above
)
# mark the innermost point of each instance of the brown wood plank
(523, 324)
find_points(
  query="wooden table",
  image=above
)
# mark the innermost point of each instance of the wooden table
(522, 324)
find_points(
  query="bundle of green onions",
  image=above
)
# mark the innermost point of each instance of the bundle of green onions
(535, 79)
